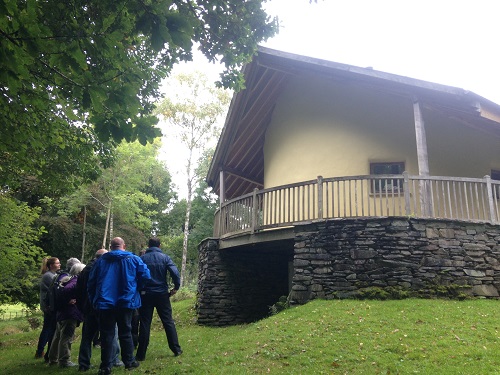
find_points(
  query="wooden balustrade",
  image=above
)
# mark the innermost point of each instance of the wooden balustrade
(453, 198)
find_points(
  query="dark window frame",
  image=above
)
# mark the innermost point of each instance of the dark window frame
(495, 175)
(387, 168)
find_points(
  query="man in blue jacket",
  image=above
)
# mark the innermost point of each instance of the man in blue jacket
(113, 287)
(156, 294)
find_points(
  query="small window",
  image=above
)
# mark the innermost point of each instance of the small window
(495, 175)
(387, 184)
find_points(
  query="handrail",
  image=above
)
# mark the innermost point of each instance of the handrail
(455, 198)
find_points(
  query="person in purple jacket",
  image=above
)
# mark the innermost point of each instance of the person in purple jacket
(68, 317)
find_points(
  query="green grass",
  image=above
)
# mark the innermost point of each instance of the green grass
(12, 311)
(322, 337)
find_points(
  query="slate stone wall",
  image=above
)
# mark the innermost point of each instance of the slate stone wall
(340, 258)
(239, 285)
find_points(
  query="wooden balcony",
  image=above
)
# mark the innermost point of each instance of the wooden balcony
(453, 198)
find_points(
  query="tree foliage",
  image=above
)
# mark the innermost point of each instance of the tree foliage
(137, 188)
(79, 73)
(21, 259)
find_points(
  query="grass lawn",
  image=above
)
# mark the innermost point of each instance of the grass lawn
(12, 311)
(322, 337)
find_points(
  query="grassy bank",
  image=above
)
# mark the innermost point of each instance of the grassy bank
(323, 337)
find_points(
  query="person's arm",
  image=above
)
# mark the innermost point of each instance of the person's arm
(92, 283)
(45, 283)
(174, 274)
(143, 273)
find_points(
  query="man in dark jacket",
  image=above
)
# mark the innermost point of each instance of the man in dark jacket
(156, 294)
(113, 289)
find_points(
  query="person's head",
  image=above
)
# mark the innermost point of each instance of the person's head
(117, 243)
(51, 264)
(142, 252)
(99, 253)
(154, 242)
(76, 269)
(71, 262)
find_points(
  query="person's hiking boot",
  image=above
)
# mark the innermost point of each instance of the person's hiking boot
(118, 364)
(140, 358)
(132, 365)
(67, 364)
(38, 356)
(104, 371)
(176, 354)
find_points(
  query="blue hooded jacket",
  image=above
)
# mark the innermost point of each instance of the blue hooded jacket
(116, 279)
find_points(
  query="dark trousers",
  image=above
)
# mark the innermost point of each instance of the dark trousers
(48, 329)
(90, 330)
(135, 327)
(164, 309)
(108, 320)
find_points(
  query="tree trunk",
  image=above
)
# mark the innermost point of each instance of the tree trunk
(111, 228)
(84, 234)
(107, 225)
(185, 240)
(188, 214)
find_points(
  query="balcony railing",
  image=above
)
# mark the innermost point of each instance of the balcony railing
(469, 199)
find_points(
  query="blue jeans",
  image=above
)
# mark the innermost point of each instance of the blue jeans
(48, 329)
(160, 301)
(109, 320)
(89, 329)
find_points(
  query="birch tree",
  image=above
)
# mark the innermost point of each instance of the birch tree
(195, 112)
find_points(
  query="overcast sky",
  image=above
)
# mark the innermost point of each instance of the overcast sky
(452, 42)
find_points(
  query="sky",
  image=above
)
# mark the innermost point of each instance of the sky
(451, 42)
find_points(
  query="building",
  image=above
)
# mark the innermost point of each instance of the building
(334, 179)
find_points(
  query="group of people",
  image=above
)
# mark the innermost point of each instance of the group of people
(107, 295)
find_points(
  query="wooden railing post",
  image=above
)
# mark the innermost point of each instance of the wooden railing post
(320, 197)
(255, 208)
(220, 222)
(491, 203)
(406, 193)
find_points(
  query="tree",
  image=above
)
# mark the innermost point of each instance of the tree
(195, 110)
(21, 259)
(78, 74)
(131, 195)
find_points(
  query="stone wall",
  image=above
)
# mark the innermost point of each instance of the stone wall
(239, 285)
(339, 258)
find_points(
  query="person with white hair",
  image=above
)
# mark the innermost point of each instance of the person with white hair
(68, 316)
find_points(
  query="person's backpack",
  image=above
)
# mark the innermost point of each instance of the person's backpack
(53, 294)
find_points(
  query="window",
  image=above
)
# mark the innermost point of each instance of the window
(495, 175)
(387, 184)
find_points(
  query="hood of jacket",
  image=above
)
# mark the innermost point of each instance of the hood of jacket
(116, 255)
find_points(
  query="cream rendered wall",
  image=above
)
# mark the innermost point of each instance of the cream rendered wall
(332, 129)
(458, 150)
(321, 128)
